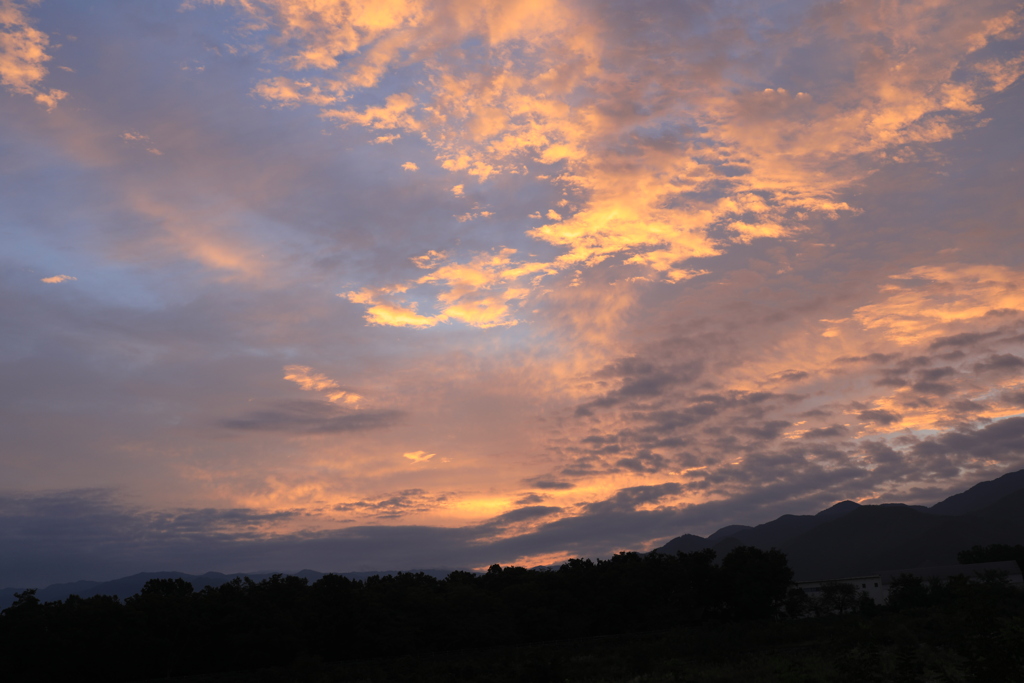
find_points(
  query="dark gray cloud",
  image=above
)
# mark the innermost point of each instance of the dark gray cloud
(934, 388)
(1014, 397)
(935, 374)
(962, 339)
(1003, 440)
(869, 358)
(767, 430)
(794, 376)
(645, 462)
(1000, 363)
(882, 417)
(312, 417)
(966, 406)
(530, 499)
(549, 485)
(830, 432)
(524, 514)
(395, 505)
(639, 380)
(634, 496)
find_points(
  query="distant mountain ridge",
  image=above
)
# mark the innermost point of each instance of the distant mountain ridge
(848, 538)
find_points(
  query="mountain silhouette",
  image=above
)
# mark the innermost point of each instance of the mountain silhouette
(980, 495)
(849, 539)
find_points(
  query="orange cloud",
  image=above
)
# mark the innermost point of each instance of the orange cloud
(23, 53)
(926, 302)
(58, 278)
(382, 312)
(755, 161)
(418, 456)
(308, 380)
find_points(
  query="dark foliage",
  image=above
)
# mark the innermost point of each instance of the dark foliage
(632, 617)
(998, 552)
(170, 630)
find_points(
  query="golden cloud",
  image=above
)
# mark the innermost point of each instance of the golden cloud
(308, 380)
(418, 456)
(23, 53)
(548, 84)
(928, 301)
(58, 278)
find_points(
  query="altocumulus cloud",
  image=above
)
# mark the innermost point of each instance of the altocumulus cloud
(660, 267)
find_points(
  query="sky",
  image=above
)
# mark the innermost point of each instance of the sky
(394, 284)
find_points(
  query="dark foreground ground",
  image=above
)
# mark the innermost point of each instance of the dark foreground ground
(925, 644)
(637, 618)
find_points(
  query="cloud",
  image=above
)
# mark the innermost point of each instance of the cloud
(529, 513)
(311, 417)
(962, 339)
(410, 166)
(395, 505)
(735, 155)
(633, 497)
(23, 53)
(882, 417)
(1004, 438)
(479, 293)
(418, 456)
(768, 430)
(795, 170)
(548, 485)
(308, 380)
(530, 499)
(645, 462)
(830, 432)
(55, 279)
(75, 523)
(1000, 363)
(921, 304)
(638, 381)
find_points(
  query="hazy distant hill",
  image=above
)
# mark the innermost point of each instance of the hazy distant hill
(849, 539)
(130, 585)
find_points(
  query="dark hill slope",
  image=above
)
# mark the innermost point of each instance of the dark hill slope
(848, 538)
(877, 537)
(728, 532)
(1008, 507)
(778, 532)
(687, 543)
(980, 495)
(765, 536)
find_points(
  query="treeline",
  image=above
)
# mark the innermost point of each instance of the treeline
(168, 629)
(997, 552)
(682, 617)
